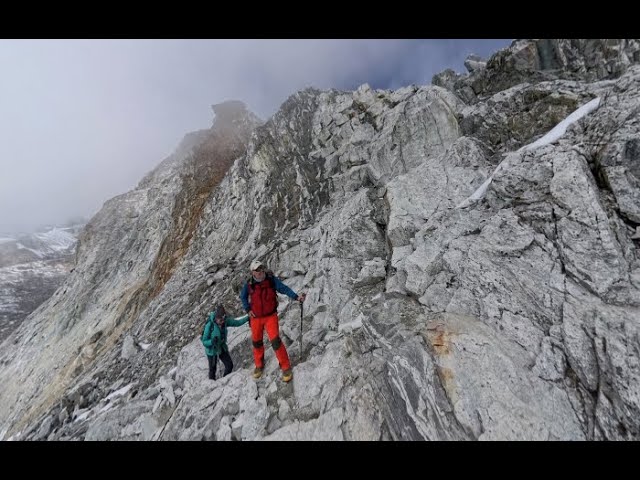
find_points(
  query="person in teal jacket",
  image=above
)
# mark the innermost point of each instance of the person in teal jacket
(214, 339)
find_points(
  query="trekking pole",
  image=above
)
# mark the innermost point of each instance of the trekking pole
(301, 308)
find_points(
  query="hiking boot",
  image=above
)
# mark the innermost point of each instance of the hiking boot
(257, 373)
(287, 375)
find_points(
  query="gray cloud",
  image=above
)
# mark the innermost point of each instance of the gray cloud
(83, 120)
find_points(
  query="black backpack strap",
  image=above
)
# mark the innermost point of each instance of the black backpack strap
(272, 281)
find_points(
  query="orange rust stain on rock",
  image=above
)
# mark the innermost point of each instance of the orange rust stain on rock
(448, 383)
(439, 338)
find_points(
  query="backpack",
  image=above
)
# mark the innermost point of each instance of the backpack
(205, 326)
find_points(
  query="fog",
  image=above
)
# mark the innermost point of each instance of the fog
(84, 120)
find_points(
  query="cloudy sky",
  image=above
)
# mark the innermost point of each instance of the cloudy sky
(83, 120)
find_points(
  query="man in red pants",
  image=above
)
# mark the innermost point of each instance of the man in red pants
(260, 301)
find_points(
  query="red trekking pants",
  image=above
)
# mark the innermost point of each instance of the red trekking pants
(258, 325)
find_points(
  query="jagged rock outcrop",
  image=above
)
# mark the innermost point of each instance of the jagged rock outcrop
(513, 317)
(533, 61)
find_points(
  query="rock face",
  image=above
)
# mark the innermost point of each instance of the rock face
(534, 61)
(514, 317)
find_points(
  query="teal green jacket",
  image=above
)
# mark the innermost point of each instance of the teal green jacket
(214, 338)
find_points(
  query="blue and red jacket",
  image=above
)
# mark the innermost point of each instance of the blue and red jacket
(261, 296)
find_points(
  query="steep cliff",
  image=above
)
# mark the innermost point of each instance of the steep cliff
(513, 315)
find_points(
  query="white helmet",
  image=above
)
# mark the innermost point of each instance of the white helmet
(256, 264)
